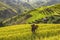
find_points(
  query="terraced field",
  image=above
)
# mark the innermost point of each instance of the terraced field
(6, 12)
(43, 12)
(23, 32)
(9, 16)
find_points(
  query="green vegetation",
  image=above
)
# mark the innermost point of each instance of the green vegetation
(45, 14)
(23, 32)
(10, 16)
(6, 13)
(42, 12)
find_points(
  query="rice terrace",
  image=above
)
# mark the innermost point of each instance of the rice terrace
(23, 32)
(29, 19)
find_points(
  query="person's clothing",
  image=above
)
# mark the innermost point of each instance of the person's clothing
(34, 27)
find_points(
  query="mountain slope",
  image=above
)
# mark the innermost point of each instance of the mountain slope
(43, 12)
(19, 5)
(6, 12)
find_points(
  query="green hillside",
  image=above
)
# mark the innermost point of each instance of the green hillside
(6, 12)
(9, 16)
(23, 32)
(43, 13)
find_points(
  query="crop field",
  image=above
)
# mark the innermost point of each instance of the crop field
(16, 20)
(23, 32)
(43, 12)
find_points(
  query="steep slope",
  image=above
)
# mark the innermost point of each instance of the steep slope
(53, 2)
(39, 3)
(19, 5)
(10, 16)
(39, 15)
(43, 12)
(6, 12)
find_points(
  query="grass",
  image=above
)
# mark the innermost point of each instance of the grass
(23, 32)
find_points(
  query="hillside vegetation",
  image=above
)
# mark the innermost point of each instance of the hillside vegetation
(44, 14)
(9, 15)
(6, 12)
(41, 14)
(23, 32)
(46, 17)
